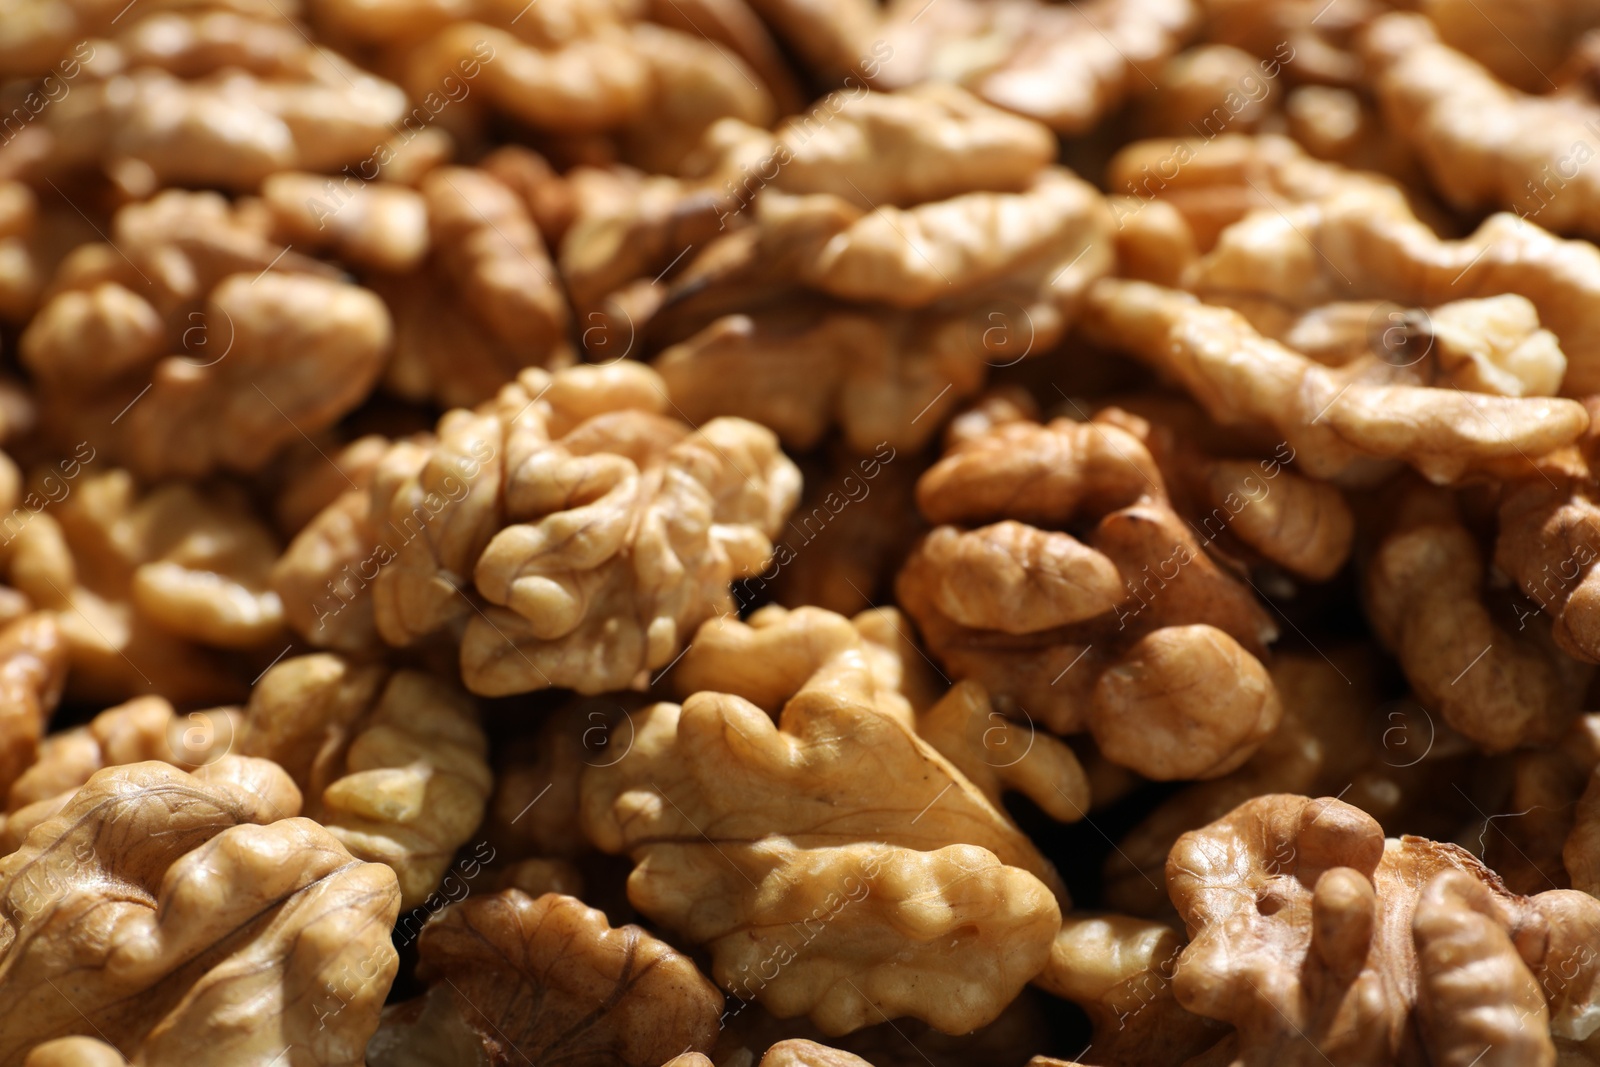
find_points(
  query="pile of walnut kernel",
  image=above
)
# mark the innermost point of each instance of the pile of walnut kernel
(799, 533)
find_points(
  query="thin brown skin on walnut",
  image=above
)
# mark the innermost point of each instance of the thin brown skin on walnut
(548, 979)
(145, 728)
(161, 910)
(1317, 938)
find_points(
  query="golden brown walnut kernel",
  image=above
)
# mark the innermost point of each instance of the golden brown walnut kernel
(696, 82)
(575, 68)
(1180, 696)
(1299, 922)
(1213, 183)
(329, 506)
(1523, 44)
(667, 517)
(1474, 991)
(808, 296)
(925, 143)
(1343, 126)
(753, 659)
(205, 346)
(393, 765)
(142, 588)
(1154, 241)
(1119, 970)
(487, 303)
(145, 728)
(1333, 234)
(1064, 68)
(1208, 89)
(913, 257)
(1489, 345)
(628, 227)
(1336, 422)
(513, 978)
(826, 842)
(1105, 635)
(1248, 510)
(1312, 934)
(798, 1052)
(1000, 755)
(373, 225)
(1549, 540)
(33, 667)
(1482, 143)
(1425, 599)
(190, 916)
(1329, 740)
(217, 98)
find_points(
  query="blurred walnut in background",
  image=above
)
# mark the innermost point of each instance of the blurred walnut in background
(205, 346)
(885, 252)
(209, 95)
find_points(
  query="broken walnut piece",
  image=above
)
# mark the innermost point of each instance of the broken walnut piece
(1335, 234)
(547, 979)
(1329, 740)
(488, 301)
(1483, 144)
(1313, 935)
(1125, 619)
(1065, 69)
(187, 916)
(33, 665)
(814, 286)
(208, 347)
(216, 98)
(768, 657)
(393, 765)
(144, 728)
(144, 588)
(1334, 420)
(1119, 970)
(815, 836)
(1425, 598)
